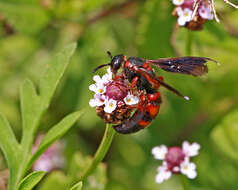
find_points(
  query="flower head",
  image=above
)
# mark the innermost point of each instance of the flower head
(192, 14)
(113, 100)
(176, 160)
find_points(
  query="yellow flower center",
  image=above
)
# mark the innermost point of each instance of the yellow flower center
(100, 90)
(186, 167)
(128, 100)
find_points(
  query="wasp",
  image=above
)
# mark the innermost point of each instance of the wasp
(141, 75)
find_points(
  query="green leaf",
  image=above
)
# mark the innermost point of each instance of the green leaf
(225, 135)
(30, 112)
(25, 18)
(77, 186)
(33, 107)
(54, 73)
(55, 133)
(31, 180)
(8, 142)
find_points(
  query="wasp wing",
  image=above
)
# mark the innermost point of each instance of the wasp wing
(195, 66)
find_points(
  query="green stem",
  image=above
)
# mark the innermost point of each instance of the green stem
(184, 182)
(189, 42)
(101, 152)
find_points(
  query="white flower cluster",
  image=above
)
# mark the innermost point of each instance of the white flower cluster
(185, 13)
(99, 88)
(185, 167)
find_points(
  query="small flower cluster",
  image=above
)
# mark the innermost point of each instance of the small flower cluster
(113, 99)
(51, 159)
(176, 160)
(190, 17)
(110, 93)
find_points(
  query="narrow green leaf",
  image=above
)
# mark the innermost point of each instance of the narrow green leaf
(30, 111)
(77, 186)
(55, 133)
(54, 73)
(8, 142)
(31, 180)
(33, 107)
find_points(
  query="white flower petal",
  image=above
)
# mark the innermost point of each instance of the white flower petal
(188, 169)
(97, 88)
(179, 11)
(109, 71)
(163, 174)
(176, 169)
(190, 149)
(92, 102)
(131, 99)
(184, 16)
(93, 87)
(98, 100)
(97, 78)
(101, 89)
(108, 76)
(205, 12)
(178, 2)
(110, 106)
(181, 21)
(192, 174)
(159, 152)
(187, 13)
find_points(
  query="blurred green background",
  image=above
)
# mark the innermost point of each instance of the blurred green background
(31, 31)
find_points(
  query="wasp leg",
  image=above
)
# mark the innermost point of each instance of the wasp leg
(156, 82)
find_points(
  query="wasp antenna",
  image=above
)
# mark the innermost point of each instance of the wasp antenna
(109, 53)
(100, 66)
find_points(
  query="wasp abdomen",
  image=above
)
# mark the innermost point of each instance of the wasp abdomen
(142, 117)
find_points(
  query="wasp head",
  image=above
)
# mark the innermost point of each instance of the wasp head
(115, 64)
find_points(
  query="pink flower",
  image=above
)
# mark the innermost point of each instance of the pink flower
(110, 93)
(51, 159)
(205, 12)
(176, 160)
(193, 13)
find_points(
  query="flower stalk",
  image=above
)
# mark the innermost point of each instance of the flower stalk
(101, 152)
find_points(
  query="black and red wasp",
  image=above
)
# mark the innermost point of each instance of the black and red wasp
(140, 74)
